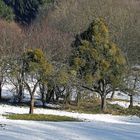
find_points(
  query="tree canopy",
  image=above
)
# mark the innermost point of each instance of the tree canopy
(37, 69)
(98, 61)
(25, 10)
(95, 56)
(5, 11)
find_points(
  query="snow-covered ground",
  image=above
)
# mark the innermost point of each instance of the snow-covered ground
(125, 100)
(124, 104)
(25, 130)
(8, 109)
(122, 96)
(95, 127)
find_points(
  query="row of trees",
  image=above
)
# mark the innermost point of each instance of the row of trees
(95, 63)
(5, 11)
(92, 62)
(23, 11)
(70, 18)
(122, 17)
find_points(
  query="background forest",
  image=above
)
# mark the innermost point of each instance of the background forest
(63, 45)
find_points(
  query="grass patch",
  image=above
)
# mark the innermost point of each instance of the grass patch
(89, 106)
(92, 106)
(40, 117)
(115, 99)
(132, 111)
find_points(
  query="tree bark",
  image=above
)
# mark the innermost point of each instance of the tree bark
(131, 101)
(43, 94)
(67, 96)
(50, 95)
(31, 105)
(20, 82)
(43, 100)
(112, 95)
(20, 94)
(103, 103)
(31, 95)
(0, 90)
(78, 98)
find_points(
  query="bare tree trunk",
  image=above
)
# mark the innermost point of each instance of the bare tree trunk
(31, 105)
(78, 98)
(112, 95)
(131, 101)
(50, 95)
(20, 93)
(43, 98)
(0, 90)
(31, 95)
(20, 82)
(67, 97)
(103, 103)
(43, 94)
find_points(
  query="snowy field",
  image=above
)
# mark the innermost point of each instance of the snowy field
(95, 127)
(25, 130)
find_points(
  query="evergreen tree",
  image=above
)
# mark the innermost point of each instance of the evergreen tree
(5, 11)
(25, 10)
(99, 63)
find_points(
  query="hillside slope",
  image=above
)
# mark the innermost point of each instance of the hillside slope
(123, 17)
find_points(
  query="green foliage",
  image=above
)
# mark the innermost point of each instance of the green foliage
(97, 57)
(5, 11)
(118, 110)
(26, 10)
(40, 117)
(35, 63)
(132, 111)
(92, 106)
(62, 77)
(99, 32)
